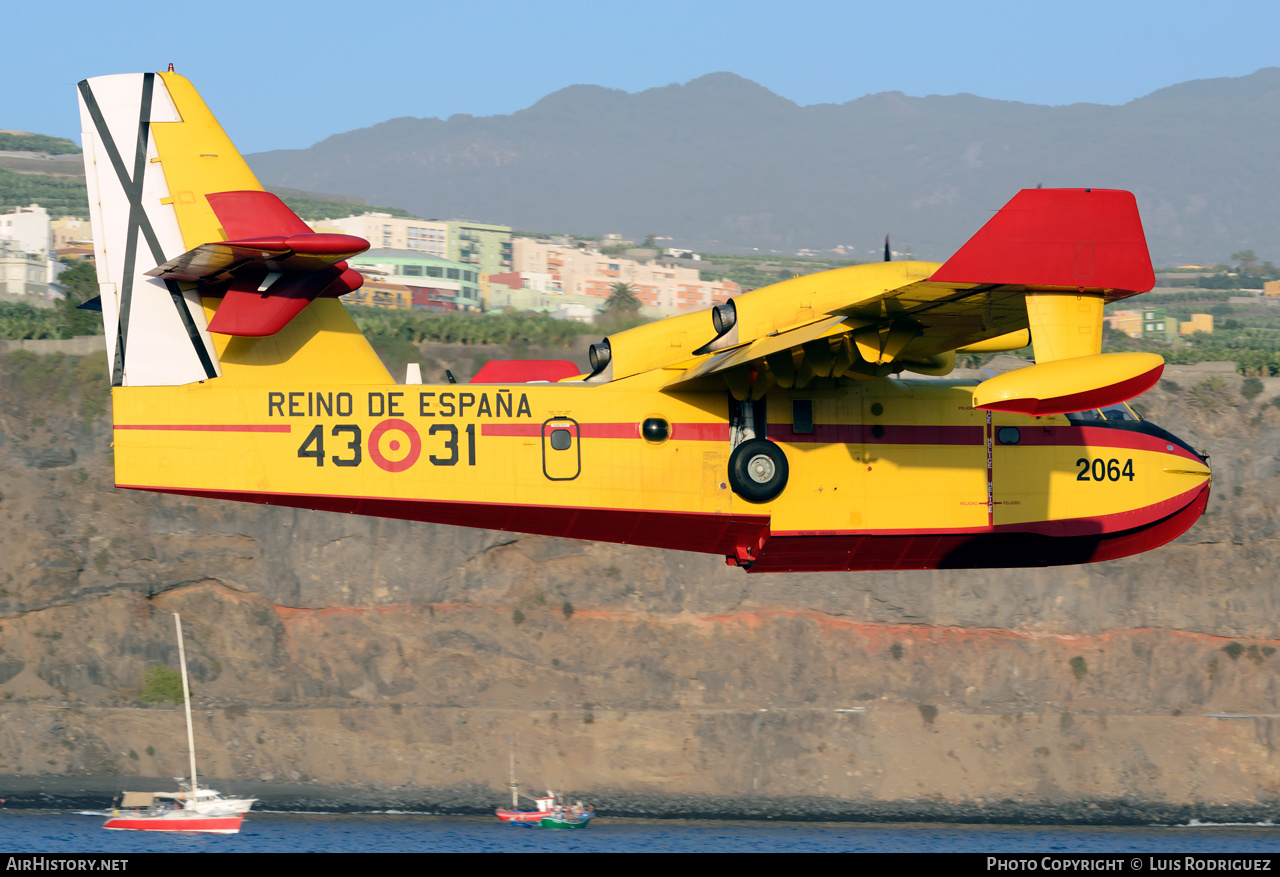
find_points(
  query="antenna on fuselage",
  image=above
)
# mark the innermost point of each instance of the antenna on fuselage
(888, 255)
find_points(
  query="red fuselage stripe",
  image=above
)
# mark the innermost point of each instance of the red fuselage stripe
(689, 432)
(209, 427)
(864, 434)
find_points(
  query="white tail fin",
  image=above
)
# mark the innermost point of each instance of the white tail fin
(156, 332)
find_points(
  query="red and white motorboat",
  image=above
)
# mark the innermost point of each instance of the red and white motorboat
(545, 807)
(191, 808)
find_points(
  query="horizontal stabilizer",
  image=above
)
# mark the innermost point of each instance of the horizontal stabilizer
(248, 311)
(296, 254)
(1077, 239)
(272, 267)
(1066, 385)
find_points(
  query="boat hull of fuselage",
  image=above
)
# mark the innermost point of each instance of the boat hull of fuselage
(884, 474)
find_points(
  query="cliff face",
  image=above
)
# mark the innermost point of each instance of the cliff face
(376, 655)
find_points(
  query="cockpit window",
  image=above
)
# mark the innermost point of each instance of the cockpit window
(1113, 413)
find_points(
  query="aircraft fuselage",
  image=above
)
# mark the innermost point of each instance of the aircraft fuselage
(883, 473)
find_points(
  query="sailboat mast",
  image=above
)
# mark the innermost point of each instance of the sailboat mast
(515, 787)
(186, 700)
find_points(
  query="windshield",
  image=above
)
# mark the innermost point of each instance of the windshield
(1112, 413)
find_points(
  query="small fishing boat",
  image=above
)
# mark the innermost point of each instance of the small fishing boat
(571, 817)
(527, 817)
(549, 812)
(191, 808)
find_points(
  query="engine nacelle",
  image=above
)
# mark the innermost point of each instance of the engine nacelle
(653, 345)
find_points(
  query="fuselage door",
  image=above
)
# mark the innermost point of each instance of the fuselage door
(561, 452)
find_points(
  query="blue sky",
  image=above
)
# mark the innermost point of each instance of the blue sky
(286, 74)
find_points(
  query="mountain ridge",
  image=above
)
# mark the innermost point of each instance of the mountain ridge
(721, 160)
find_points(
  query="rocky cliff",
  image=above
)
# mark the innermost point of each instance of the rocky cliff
(377, 660)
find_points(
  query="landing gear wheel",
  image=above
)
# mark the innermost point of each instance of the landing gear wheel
(758, 470)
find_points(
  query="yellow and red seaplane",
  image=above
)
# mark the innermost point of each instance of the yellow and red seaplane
(781, 429)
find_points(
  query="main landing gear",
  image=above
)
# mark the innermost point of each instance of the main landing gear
(757, 467)
(758, 470)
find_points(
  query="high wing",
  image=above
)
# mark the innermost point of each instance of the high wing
(1038, 272)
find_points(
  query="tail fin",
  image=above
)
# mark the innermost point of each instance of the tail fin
(157, 333)
(187, 243)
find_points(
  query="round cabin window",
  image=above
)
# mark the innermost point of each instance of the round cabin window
(1009, 435)
(655, 430)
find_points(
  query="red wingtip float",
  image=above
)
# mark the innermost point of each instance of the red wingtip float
(781, 430)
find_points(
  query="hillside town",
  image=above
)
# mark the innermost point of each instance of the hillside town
(463, 266)
(418, 264)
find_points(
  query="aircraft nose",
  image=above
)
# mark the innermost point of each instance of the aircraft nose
(1189, 461)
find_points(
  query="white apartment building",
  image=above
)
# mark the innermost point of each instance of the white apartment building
(29, 227)
(26, 276)
(384, 231)
(666, 289)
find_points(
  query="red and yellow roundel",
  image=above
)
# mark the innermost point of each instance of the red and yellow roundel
(394, 445)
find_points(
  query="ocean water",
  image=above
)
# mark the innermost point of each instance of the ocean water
(68, 832)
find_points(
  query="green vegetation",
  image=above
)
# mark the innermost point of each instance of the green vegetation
(1209, 395)
(754, 272)
(622, 299)
(928, 712)
(416, 327)
(61, 197)
(567, 609)
(1200, 297)
(57, 379)
(543, 235)
(1079, 668)
(313, 209)
(80, 283)
(20, 321)
(14, 141)
(162, 685)
(1246, 334)
(1233, 650)
(897, 651)
(517, 617)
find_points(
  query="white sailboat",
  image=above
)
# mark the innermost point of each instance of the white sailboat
(191, 808)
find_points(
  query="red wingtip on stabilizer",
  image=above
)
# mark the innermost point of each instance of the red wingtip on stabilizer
(259, 220)
(251, 214)
(1066, 238)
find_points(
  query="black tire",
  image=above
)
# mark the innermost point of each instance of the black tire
(758, 470)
